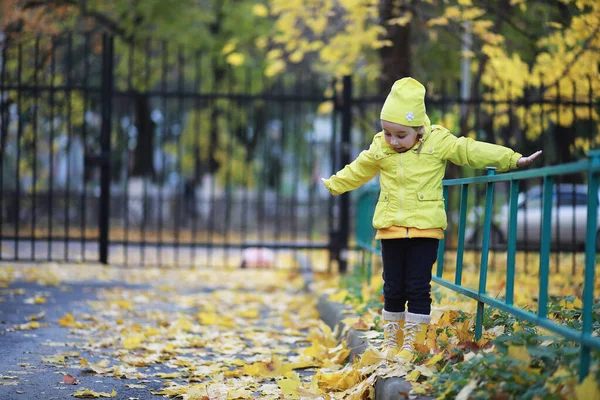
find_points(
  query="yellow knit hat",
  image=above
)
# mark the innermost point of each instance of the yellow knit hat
(405, 105)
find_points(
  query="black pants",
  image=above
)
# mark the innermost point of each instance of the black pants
(407, 267)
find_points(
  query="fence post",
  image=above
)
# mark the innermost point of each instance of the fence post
(340, 241)
(485, 248)
(106, 93)
(590, 260)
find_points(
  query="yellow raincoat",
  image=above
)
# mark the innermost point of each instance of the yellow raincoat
(411, 182)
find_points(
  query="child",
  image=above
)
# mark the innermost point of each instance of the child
(411, 155)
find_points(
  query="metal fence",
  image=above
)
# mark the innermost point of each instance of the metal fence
(138, 152)
(451, 276)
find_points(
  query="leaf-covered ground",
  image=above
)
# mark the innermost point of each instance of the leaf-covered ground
(90, 331)
(149, 333)
(513, 360)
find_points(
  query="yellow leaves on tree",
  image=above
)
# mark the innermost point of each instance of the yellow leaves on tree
(566, 67)
(343, 33)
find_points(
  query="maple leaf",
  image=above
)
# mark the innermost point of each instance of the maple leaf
(206, 318)
(269, 369)
(68, 321)
(132, 342)
(86, 393)
(54, 360)
(101, 367)
(343, 379)
(289, 385)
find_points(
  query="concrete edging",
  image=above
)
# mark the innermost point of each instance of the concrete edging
(332, 314)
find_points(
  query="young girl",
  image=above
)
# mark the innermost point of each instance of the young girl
(411, 155)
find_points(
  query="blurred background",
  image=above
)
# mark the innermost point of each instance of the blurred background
(179, 132)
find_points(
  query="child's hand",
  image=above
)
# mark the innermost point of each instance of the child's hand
(325, 183)
(523, 161)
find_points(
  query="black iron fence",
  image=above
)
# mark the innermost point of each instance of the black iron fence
(140, 153)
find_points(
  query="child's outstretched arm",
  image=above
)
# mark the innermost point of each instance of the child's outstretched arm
(355, 174)
(475, 154)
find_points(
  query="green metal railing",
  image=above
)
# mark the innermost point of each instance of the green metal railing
(591, 168)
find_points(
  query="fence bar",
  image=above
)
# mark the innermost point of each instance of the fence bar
(107, 87)
(280, 143)
(51, 149)
(213, 188)
(297, 135)
(441, 246)
(462, 224)
(332, 156)
(344, 220)
(182, 182)
(197, 158)
(229, 196)
(145, 202)
(68, 96)
(590, 261)
(162, 146)
(84, 135)
(34, 128)
(18, 161)
(485, 248)
(130, 110)
(250, 149)
(3, 132)
(563, 169)
(512, 241)
(545, 245)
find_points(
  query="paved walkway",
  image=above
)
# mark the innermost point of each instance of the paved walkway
(133, 333)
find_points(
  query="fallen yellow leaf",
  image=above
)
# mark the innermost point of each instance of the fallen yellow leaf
(133, 341)
(86, 393)
(289, 386)
(588, 389)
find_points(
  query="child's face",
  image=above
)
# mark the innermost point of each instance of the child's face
(400, 137)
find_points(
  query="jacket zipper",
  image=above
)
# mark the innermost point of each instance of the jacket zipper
(401, 191)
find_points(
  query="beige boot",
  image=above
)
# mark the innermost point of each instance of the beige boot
(392, 333)
(415, 331)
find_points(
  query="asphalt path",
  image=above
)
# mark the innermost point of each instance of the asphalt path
(23, 373)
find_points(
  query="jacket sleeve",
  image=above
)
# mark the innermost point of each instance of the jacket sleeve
(355, 174)
(466, 151)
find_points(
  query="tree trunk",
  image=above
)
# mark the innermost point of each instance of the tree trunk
(395, 58)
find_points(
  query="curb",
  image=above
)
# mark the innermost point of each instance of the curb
(305, 270)
(332, 314)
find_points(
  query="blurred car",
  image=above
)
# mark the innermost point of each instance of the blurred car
(569, 220)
